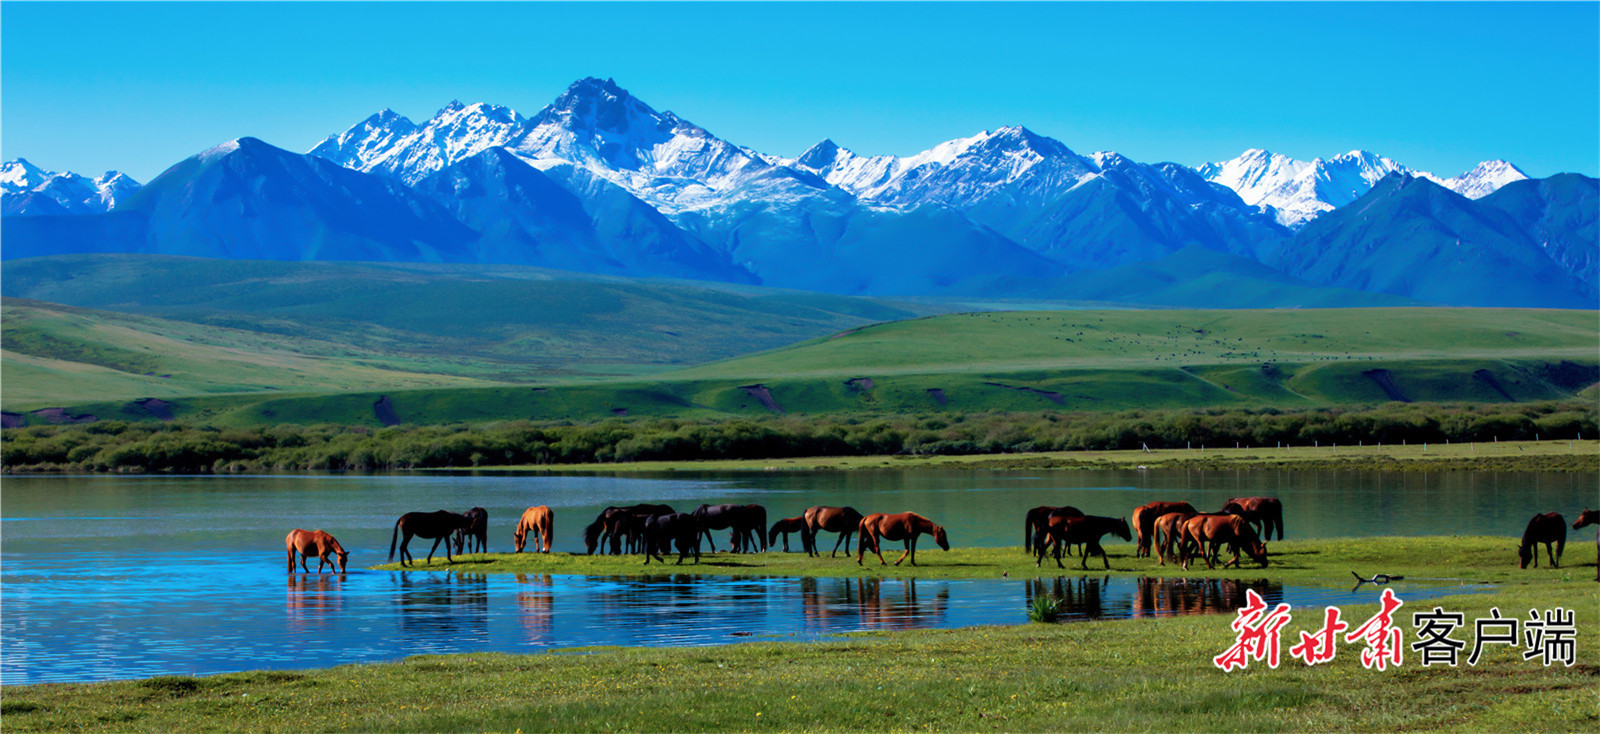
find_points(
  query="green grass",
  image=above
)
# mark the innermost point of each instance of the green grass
(1152, 674)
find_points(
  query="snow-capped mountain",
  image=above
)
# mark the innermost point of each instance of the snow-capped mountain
(29, 190)
(1295, 192)
(392, 146)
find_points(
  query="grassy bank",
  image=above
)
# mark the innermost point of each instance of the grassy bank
(1134, 675)
(1579, 456)
(1469, 559)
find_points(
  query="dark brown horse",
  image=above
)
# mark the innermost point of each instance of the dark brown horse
(1212, 530)
(786, 526)
(540, 522)
(1166, 531)
(746, 521)
(1144, 522)
(1036, 518)
(436, 525)
(616, 524)
(1547, 528)
(1266, 513)
(1587, 517)
(1087, 530)
(905, 526)
(475, 535)
(662, 531)
(315, 543)
(842, 520)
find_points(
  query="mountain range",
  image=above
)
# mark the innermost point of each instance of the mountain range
(600, 182)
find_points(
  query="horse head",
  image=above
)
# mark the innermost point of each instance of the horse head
(1524, 554)
(344, 557)
(1122, 530)
(1232, 508)
(940, 537)
(591, 536)
(1587, 517)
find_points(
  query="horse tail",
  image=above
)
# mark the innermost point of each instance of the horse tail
(394, 538)
(1278, 512)
(549, 530)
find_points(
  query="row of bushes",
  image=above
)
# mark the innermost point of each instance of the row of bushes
(146, 447)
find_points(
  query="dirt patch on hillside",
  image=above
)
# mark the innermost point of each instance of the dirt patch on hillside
(937, 393)
(60, 415)
(160, 410)
(1386, 382)
(620, 412)
(384, 411)
(1053, 397)
(859, 384)
(11, 420)
(763, 395)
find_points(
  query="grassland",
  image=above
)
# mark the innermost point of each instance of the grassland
(1134, 675)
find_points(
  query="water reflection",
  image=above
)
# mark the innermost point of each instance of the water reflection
(450, 605)
(536, 604)
(312, 600)
(872, 602)
(1084, 597)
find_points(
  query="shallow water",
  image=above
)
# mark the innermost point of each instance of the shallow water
(120, 577)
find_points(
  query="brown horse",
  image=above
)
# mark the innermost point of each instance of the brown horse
(1088, 530)
(1144, 521)
(1166, 530)
(786, 526)
(1035, 521)
(842, 520)
(1547, 528)
(1214, 529)
(1591, 517)
(905, 526)
(1265, 513)
(436, 525)
(541, 522)
(309, 543)
(475, 535)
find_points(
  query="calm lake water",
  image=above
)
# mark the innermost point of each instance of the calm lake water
(122, 577)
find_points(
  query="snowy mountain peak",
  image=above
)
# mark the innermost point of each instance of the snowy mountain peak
(47, 192)
(20, 175)
(1484, 179)
(820, 157)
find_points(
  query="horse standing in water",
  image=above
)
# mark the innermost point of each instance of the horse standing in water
(842, 520)
(1587, 517)
(436, 525)
(475, 535)
(899, 526)
(316, 543)
(1144, 522)
(1547, 528)
(1265, 513)
(1215, 529)
(1036, 519)
(786, 526)
(1088, 530)
(540, 522)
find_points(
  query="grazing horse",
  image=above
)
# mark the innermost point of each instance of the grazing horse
(662, 531)
(1167, 529)
(744, 520)
(786, 526)
(1547, 528)
(613, 523)
(1144, 522)
(842, 520)
(899, 526)
(1215, 529)
(437, 525)
(1587, 517)
(1036, 518)
(316, 543)
(478, 531)
(1061, 531)
(1265, 513)
(541, 523)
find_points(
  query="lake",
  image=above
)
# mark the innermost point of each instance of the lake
(108, 577)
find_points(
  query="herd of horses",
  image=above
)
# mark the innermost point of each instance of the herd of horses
(1170, 530)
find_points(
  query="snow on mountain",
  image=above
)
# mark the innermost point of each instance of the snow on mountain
(1296, 192)
(390, 145)
(28, 189)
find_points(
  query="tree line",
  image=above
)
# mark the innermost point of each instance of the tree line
(113, 446)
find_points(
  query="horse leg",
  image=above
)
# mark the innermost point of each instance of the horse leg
(911, 548)
(843, 538)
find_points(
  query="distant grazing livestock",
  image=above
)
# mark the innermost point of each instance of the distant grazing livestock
(1144, 522)
(1036, 518)
(786, 526)
(1548, 528)
(436, 525)
(842, 520)
(662, 531)
(748, 523)
(314, 543)
(1212, 530)
(1266, 513)
(1088, 530)
(475, 535)
(1587, 517)
(905, 526)
(539, 522)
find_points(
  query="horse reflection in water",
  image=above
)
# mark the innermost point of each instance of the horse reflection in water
(1163, 597)
(536, 600)
(313, 600)
(445, 606)
(829, 603)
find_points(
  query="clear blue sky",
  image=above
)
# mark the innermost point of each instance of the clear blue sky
(1436, 86)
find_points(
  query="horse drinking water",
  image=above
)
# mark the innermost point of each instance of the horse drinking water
(309, 543)
(436, 525)
(475, 535)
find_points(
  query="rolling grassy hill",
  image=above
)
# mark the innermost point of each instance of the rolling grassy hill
(1026, 361)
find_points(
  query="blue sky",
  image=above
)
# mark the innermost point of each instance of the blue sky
(1436, 86)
